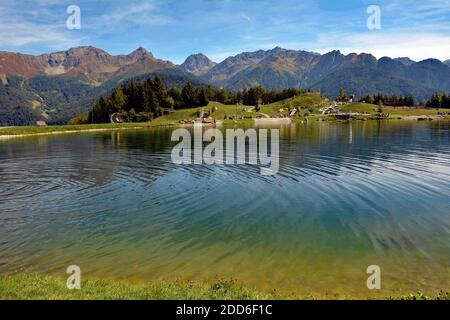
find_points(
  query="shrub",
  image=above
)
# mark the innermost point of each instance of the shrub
(81, 119)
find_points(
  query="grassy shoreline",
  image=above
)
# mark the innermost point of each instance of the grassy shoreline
(42, 287)
(26, 131)
(30, 130)
(310, 103)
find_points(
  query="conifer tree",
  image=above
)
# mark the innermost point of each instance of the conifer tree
(188, 95)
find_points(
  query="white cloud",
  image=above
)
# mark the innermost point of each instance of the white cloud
(246, 17)
(38, 28)
(412, 28)
(143, 13)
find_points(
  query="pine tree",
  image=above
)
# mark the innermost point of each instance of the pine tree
(342, 95)
(169, 103)
(203, 98)
(118, 99)
(445, 101)
(159, 88)
(188, 95)
(435, 101)
(175, 94)
(222, 96)
(151, 102)
(370, 100)
(102, 110)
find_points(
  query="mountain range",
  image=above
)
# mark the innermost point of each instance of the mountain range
(60, 85)
(359, 74)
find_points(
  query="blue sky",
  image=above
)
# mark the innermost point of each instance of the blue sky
(173, 29)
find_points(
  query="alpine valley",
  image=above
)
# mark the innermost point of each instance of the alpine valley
(57, 86)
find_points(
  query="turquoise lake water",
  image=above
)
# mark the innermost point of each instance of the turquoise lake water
(347, 196)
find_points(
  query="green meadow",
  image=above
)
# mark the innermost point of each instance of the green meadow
(309, 105)
(38, 287)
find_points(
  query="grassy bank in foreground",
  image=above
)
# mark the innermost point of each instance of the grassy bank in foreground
(36, 287)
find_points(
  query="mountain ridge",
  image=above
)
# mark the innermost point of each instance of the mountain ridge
(279, 68)
(405, 60)
(197, 64)
(56, 86)
(72, 62)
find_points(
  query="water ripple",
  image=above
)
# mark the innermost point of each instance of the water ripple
(116, 203)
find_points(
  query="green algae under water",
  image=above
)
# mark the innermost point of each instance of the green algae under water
(347, 196)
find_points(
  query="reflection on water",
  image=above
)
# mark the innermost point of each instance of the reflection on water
(347, 196)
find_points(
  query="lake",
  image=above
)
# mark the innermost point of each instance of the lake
(347, 196)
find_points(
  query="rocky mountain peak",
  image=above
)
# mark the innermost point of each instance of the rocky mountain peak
(197, 64)
(140, 53)
(405, 61)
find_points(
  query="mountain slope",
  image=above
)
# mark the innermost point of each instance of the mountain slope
(280, 68)
(197, 64)
(432, 73)
(405, 61)
(354, 79)
(18, 106)
(60, 85)
(233, 65)
(82, 60)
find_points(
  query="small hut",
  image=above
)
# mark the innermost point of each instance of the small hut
(41, 123)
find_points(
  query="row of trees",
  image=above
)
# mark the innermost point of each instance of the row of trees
(259, 95)
(141, 101)
(134, 99)
(251, 97)
(439, 100)
(394, 101)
